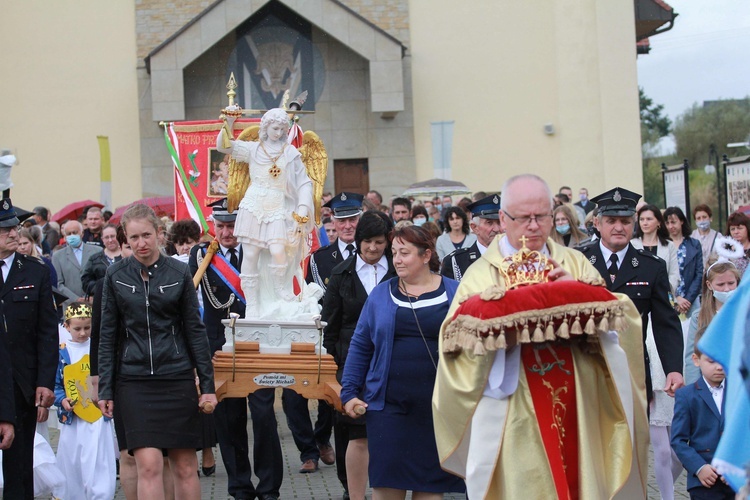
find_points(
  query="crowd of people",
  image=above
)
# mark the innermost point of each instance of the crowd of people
(390, 272)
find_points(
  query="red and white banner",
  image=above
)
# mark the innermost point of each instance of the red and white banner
(201, 172)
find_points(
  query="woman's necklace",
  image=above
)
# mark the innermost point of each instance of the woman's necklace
(274, 171)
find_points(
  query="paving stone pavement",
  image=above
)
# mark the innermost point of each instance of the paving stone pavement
(324, 484)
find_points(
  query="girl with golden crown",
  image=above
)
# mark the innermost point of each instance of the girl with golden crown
(86, 450)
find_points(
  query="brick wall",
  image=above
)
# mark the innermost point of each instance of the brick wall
(157, 20)
(391, 16)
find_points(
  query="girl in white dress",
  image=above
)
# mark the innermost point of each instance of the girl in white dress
(86, 450)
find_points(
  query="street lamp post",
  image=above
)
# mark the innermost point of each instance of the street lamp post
(714, 154)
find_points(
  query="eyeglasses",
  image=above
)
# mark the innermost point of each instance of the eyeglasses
(526, 219)
(7, 230)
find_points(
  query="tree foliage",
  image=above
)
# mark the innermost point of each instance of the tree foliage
(654, 125)
(717, 123)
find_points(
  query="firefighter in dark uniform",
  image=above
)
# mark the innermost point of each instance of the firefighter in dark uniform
(31, 337)
(346, 208)
(485, 224)
(639, 275)
(315, 444)
(231, 413)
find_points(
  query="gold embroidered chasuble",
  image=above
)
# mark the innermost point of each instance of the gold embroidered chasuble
(610, 403)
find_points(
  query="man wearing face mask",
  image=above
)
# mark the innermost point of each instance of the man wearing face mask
(70, 261)
(485, 224)
(584, 203)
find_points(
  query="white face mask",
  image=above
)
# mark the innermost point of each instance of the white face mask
(418, 221)
(723, 297)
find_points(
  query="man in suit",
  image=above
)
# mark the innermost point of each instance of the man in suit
(70, 261)
(315, 444)
(584, 203)
(31, 323)
(231, 413)
(485, 223)
(50, 234)
(697, 426)
(639, 275)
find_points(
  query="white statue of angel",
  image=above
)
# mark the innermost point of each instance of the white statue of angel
(270, 187)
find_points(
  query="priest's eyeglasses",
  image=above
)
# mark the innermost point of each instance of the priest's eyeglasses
(526, 219)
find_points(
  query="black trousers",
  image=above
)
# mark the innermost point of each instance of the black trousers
(305, 437)
(18, 460)
(718, 491)
(231, 429)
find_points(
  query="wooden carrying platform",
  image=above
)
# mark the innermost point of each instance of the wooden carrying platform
(236, 374)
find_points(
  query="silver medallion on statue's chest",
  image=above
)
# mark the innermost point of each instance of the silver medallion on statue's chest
(592, 259)
(634, 262)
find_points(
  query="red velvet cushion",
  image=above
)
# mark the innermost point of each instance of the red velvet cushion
(539, 297)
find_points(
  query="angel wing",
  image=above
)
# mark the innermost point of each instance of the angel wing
(239, 172)
(315, 159)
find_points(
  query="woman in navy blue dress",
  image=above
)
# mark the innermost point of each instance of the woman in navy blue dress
(391, 367)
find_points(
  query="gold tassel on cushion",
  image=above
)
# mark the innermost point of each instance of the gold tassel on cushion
(479, 348)
(549, 332)
(525, 337)
(500, 342)
(576, 329)
(538, 333)
(564, 330)
(604, 323)
(489, 343)
(590, 326)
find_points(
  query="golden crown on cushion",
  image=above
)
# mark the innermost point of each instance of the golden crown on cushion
(525, 267)
(78, 311)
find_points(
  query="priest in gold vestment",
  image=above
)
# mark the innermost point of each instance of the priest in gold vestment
(486, 427)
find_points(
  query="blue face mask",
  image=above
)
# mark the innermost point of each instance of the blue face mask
(563, 229)
(418, 221)
(723, 297)
(74, 240)
(704, 225)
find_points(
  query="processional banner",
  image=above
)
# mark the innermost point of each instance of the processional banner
(201, 173)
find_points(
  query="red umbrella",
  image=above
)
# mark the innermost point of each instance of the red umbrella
(162, 205)
(74, 210)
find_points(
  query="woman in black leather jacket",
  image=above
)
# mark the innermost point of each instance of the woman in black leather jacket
(350, 284)
(147, 371)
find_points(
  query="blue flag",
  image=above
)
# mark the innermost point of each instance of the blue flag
(724, 342)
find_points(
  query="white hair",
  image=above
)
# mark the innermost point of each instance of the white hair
(80, 226)
(506, 190)
(275, 115)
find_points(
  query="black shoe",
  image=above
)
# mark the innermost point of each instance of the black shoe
(208, 471)
(269, 497)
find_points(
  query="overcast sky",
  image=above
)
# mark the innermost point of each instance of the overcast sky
(705, 56)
